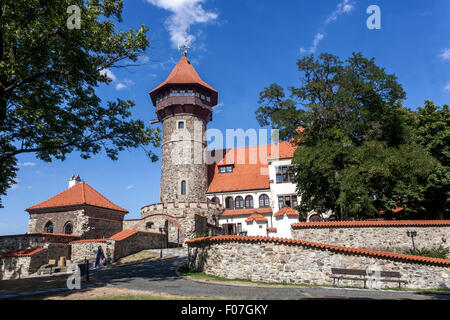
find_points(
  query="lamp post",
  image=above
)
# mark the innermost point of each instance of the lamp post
(160, 253)
(412, 234)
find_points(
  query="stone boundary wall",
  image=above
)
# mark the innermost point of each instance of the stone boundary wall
(300, 262)
(14, 267)
(376, 235)
(36, 240)
(129, 244)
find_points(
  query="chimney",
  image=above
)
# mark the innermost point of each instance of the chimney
(74, 180)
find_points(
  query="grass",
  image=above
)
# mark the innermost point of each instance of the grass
(140, 257)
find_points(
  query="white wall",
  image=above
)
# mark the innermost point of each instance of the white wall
(283, 225)
(257, 228)
(280, 189)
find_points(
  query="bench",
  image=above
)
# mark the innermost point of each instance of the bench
(371, 276)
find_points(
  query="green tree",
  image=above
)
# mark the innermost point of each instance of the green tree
(358, 152)
(48, 76)
(432, 127)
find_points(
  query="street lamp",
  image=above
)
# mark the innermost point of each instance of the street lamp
(162, 238)
(412, 234)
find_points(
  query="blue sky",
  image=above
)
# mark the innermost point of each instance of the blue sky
(240, 47)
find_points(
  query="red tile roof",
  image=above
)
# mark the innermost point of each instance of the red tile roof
(242, 212)
(288, 211)
(90, 240)
(21, 253)
(256, 217)
(397, 223)
(79, 194)
(123, 235)
(271, 229)
(354, 251)
(251, 170)
(183, 73)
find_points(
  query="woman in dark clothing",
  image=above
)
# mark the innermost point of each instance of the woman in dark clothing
(100, 256)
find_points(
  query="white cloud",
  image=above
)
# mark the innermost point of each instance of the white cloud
(143, 59)
(446, 54)
(344, 7)
(317, 38)
(108, 73)
(184, 14)
(447, 87)
(130, 187)
(124, 84)
(27, 164)
(218, 109)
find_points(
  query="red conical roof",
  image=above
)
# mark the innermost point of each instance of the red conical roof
(183, 73)
(79, 194)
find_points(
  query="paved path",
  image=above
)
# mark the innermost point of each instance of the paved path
(161, 277)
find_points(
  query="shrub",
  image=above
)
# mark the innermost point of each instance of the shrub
(440, 252)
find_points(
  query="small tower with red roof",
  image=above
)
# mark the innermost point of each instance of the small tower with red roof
(184, 104)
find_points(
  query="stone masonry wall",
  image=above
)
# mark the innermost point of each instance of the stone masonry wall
(385, 238)
(28, 241)
(19, 267)
(118, 248)
(270, 261)
(183, 154)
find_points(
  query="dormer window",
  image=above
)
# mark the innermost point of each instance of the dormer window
(226, 169)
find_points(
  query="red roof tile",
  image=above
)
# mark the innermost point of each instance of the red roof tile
(397, 223)
(229, 213)
(271, 229)
(21, 253)
(251, 170)
(256, 217)
(356, 251)
(80, 194)
(183, 73)
(288, 211)
(123, 235)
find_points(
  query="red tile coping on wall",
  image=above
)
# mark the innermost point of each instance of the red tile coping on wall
(229, 213)
(288, 211)
(128, 233)
(271, 229)
(21, 253)
(40, 234)
(397, 223)
(256, 217)
(354, 251)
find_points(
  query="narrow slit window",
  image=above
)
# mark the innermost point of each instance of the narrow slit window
(183, 187)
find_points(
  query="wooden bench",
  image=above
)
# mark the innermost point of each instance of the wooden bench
(371, 276)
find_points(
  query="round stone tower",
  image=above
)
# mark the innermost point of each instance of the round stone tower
(184, 105)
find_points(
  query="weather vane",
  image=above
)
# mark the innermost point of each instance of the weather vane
(184, 49)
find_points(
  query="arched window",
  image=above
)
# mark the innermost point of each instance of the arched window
(215, 200)
(229, 203)
(48, 227)
(183, 187)
(68, 228)
(249, 202)
(263, 200)
(239, 202)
